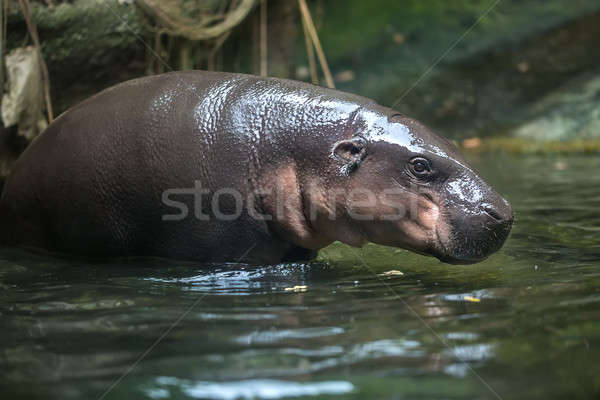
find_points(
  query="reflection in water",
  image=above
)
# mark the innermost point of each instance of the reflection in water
(251, 389)
(240, 279)
(280, 335)
(526, 320)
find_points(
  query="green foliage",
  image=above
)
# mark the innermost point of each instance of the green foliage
(358, 30)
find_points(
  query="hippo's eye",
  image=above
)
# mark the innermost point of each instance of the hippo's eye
(420, 167)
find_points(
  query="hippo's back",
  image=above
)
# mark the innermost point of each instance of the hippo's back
(92, 183)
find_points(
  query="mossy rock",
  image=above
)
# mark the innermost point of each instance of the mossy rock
(87, 44)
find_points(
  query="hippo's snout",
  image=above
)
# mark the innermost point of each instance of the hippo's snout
(476, 234)
(500, 218)
(501, 212)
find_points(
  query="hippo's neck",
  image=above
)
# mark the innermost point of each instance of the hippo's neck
(291, 133)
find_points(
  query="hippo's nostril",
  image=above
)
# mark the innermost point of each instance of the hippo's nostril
(492, 213)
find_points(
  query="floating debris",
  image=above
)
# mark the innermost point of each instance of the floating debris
(296, 289)
(476, 296)
(393, 272)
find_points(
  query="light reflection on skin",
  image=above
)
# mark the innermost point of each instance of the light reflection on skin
(378, 128)
(381, 127)
(465, 189)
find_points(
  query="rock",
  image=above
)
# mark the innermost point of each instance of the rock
(88, 45)
(570, 112)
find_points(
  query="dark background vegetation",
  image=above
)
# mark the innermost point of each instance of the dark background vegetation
(513, 71)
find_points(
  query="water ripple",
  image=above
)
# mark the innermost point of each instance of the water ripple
(262, 337)
(247, 389)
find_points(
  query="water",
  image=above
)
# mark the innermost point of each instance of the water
(524, 324)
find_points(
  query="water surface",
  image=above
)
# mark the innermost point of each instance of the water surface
(524, 324)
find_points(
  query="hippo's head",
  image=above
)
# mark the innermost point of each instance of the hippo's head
(407, 187)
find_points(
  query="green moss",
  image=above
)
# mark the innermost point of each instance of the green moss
(524, 146)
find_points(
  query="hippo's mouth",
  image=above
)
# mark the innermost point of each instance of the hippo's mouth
(464, 245)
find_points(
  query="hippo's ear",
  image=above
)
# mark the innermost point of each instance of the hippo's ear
(350, 153)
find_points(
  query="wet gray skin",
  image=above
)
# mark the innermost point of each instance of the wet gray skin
(475, 220)
(94, 183)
